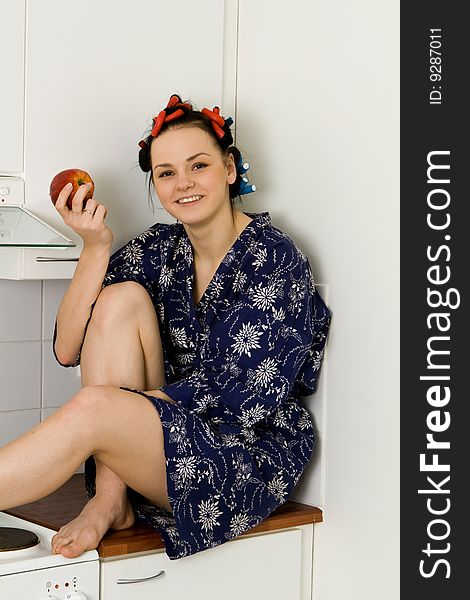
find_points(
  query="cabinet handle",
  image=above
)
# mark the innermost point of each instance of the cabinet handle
(121, 581)
(51, 259)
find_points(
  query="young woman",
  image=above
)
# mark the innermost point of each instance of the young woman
(196, 341)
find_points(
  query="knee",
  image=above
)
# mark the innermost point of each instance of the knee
(90, 401)
(118, 301)
(88, 412)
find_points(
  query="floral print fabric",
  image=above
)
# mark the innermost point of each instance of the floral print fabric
(236, 364)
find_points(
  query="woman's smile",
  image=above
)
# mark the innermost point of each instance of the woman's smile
(190, 199)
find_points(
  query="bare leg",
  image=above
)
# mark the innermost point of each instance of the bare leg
(122, 347)
(49, 454)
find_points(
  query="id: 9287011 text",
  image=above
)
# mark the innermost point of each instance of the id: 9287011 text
(435, 66)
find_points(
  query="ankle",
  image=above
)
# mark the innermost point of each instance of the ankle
(110, 486)
(109, 500)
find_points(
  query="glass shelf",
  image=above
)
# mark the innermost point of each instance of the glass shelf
(20, 228)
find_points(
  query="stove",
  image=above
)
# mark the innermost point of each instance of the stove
(29, 570)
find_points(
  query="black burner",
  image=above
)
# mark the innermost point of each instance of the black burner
(12, 538)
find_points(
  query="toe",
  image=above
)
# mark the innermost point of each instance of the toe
(72, 550)
(60, 540)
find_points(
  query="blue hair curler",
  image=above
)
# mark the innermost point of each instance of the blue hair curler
(245, 186)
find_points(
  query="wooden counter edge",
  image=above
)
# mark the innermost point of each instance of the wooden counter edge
(66, 503)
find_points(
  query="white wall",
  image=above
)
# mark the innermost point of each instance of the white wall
(318, 110)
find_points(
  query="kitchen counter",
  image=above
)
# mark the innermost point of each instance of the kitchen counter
(66, 503)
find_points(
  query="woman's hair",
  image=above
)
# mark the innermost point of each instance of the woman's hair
(194, 118)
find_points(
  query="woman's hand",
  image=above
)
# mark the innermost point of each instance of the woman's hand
(87, 221)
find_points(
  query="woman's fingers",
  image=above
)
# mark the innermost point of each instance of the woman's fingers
(100, 212)
(77, 201)
(90, 208)
(62, 200)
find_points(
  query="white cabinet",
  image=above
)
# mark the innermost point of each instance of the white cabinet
(12, 86)
(273, 565)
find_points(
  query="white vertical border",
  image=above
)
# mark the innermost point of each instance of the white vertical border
(25, 49)
(230, 63)
(306, 566)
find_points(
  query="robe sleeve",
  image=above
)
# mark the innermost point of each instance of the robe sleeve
(258, 344)
(130, 263)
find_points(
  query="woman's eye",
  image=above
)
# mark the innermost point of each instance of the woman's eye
(165, 173)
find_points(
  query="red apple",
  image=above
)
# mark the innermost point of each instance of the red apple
(74, 176)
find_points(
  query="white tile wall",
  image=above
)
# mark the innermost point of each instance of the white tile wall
(30, 377)
(14, 423)
(20, 310)
(20, 364)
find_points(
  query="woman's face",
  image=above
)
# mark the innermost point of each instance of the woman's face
(186, 162)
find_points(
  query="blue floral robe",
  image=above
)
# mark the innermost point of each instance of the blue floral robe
(237, 364)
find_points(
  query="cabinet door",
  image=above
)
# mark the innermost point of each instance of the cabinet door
(12, 88)
(97, 72)
(264, 566)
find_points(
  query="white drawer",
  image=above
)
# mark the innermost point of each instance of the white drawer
(38, 263)
(261, 566)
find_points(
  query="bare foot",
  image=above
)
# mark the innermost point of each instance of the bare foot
(85, 531)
